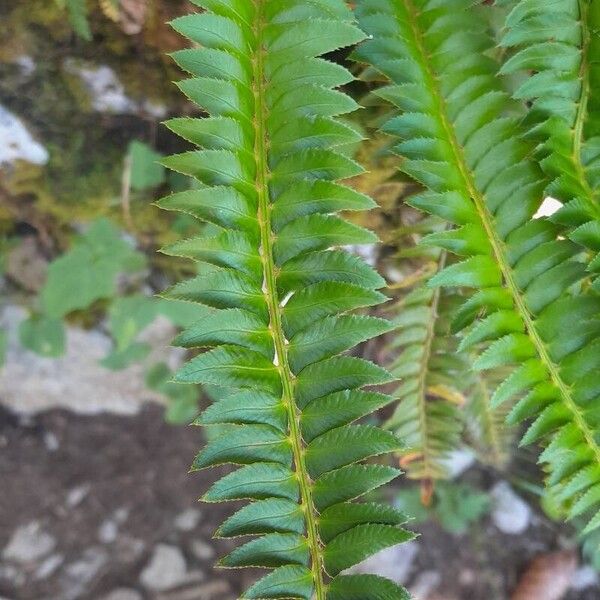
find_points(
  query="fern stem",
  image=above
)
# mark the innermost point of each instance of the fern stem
(495, 240)
(272, 300)
(426, 482)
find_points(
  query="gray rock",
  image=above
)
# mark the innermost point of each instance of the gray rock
(188, 519)
(77, 495)
(15, 577)
(459, 461)
(76, 381)
(510, 513)
(395, 563)
(127, 549)
(29, 543)
(123, 594)
(424, 584)
(585, 577)
(88, 566)
(109, 528)
(51, 442)
(17, 142)
(49, 566)
(218, 589)
(202, 550)
(26, 265)
(108, 531)
(166, 569)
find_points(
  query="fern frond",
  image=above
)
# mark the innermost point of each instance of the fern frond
(276, 289)
(428, 415)
(558, 45)
(459, 137)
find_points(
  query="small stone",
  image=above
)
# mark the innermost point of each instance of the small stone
(14, 576)
(459, 461)
(166, 569)
(85, 569)
(26, 265)
(202, 550)
(510, 514)
(29, 543)
(394, 563)
(218, 589)
(51, 442)
(108, 531)
(188, 519)
(17, 142)
(49, 566)
(425, 584)
(123, 594)
(77, 495)
(584, 577)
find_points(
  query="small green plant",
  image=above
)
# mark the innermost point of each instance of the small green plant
(455, 506)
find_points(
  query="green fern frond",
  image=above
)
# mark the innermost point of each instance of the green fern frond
(558, 45)
(460, 138)
(276, 289)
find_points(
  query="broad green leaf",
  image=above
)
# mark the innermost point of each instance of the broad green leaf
(43, 335)
(146, 171)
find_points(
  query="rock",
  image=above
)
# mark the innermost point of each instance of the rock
(425, 584)
(127, 549)
(77, 494)
(188, 519)
(123, 594)
(107, 94)
(107, 532)
(26, 266)
(51, 442)
(213, 590)
(17, 142)
(88, 566)
(202, 550)
(109, 528)
(15, 577)
(29, 543)
(459, 461)
(166, 569)
(395, 563)
(49, 566)
(510, 513)
(76, 381)
(584, 577)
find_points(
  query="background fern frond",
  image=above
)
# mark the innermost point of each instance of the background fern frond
(428, 414)
(557, 44)
(276, 287)
(459, 135)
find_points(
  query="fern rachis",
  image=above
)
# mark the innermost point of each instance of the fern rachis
(277, 288)
(460, 140)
